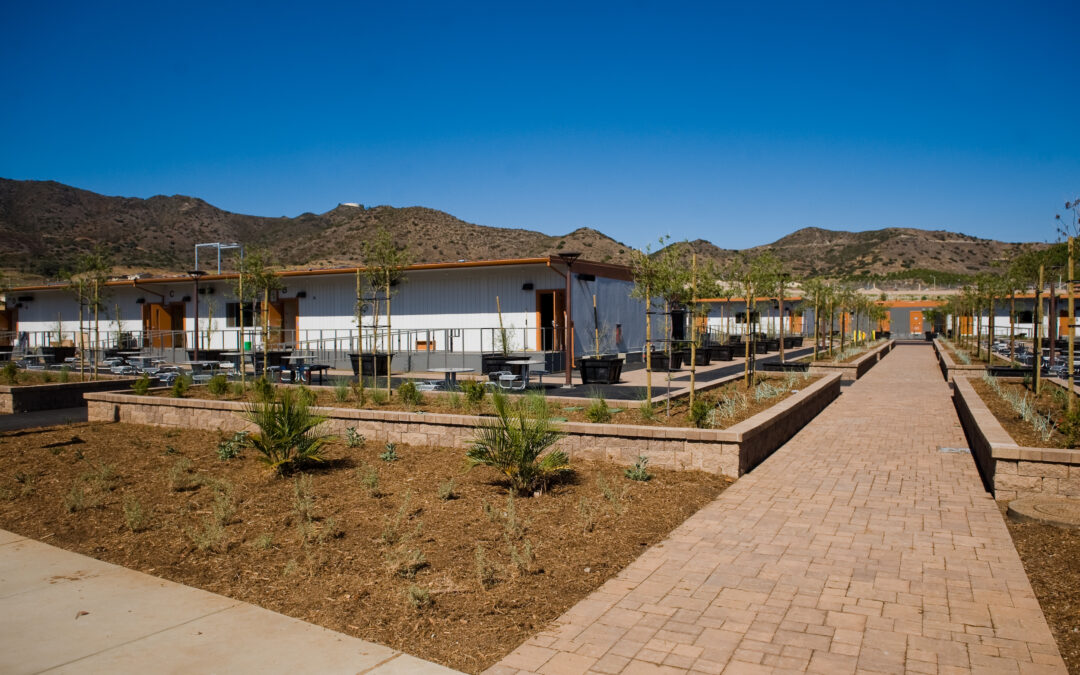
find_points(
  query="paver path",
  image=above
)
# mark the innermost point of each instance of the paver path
(857, 547)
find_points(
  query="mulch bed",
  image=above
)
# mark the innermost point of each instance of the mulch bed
(1051, 557)
(676, 416)
(1048, 402)
(321, 546)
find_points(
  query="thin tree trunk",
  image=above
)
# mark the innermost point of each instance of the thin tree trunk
(389, 337)
(693, 326)
(648, 343)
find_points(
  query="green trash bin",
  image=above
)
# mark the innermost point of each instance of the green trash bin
(247, 346)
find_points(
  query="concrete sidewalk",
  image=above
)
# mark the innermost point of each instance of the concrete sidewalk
(858, 547)
(61, 612)
(42, 418)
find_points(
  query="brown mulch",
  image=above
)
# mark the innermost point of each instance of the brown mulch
(675, 416)
(1021, 431)
(1051, 557)
(79, 487)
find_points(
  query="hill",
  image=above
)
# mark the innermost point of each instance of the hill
(45, 226)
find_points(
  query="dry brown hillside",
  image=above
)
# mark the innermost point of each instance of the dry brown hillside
(46, 226)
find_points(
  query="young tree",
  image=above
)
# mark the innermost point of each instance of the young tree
(649, 276)
(88, 284)
(385, 263)
(258, 277)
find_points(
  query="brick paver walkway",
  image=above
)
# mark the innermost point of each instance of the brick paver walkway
(858, 547)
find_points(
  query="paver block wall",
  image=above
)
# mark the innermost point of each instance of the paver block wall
(730, 452)
(27, 398)
(1009, 470)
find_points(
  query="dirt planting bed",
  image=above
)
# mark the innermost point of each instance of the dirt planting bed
(387, 551)
(1051, 401)
(1051, 557)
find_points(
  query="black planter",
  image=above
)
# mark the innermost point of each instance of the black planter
(798, 340)
(374, 365)
(490, 363)
(772, 344)
(702, 357)
(678, 359)
(760, 347)
(205, 354)
(721, 352)
(58, 354)
(791, 341)
(662, 363)
(600, 370)
(734, 340)
(884, 334)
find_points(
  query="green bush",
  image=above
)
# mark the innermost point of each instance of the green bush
(391, 453)
(65, 374)
(180, 386)
(306, 395)
(142, 385)
(598, 410)
(218, 385)
(1070, 428)
(699, 412)
(409, 394)
(341, 390)
(264, 390)
(11, 373)
(287, 436)
(474, 391)
(639, 471)
(517, 445)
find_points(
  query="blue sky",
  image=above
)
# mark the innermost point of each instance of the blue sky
(737, 123)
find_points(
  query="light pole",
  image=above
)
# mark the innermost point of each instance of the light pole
(195, 274)
(568, 351)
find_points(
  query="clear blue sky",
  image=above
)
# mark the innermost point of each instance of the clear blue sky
(734, 122)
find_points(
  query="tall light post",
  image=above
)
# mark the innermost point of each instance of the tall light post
(568, 350)
(196, 274)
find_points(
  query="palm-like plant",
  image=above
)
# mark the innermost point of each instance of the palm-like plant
(287, 437)
(515, 442)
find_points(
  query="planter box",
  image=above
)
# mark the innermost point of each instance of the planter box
(732, 452)
(28, 398)
(489, 363)
(702, 357)
(1009, 470)
(721, 352)
(853, 370)
(791, 342)
(761, 347)
(660, 362)
(600, 370)
(772, 344)
(374, 365)
(58, 354)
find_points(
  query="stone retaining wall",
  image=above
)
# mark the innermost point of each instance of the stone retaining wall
(733, 451)
(853, 370)
(52, 396)
(1009, 470)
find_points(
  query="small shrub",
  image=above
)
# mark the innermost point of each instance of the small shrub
(523, 559)
(598, 411)
(391, 453)
(405, 562)
(47, 377)
(223, 508)
(474, 391)
(236, 389)
(79, 497)
(485, 571)
(409, 394)
(303, 500)
(455, 400)
(353, 439)
(418, 598)
(218, 385)
(209, 536)
(369, 479)
(263, 542)
(263, 390)
(359, 392)
(614, 497)
(699, 412)
(647, 411)
(639, 471)
(28, 483)
(1070, 427)
(446, 491)
(135, 517)
(142, 385)
(305, 395)
(586, 514)
(230, 448)
(517, 445)
(391, 533)
(180, 477)
(180, 386)
(341, 390)
(65, 374)
(379, 397)
(287, 436)
(11, 373)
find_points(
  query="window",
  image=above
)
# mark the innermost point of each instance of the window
(1025, 316)
(740, 317)
(232, 314)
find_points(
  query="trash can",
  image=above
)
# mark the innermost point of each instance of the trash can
(247, 345)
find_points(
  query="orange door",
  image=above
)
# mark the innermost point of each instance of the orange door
(796, 323)
(966, 326)
(883, 324)
(916, 323)
(1063, 325)
(8, 322)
